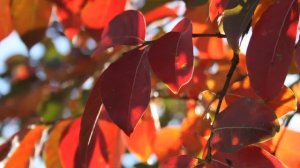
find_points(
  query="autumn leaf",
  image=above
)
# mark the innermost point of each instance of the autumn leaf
(248, 157)
(171, 56)
(96, 14)
(244, 122)
(125, 89)
(36, 15)
(6, 25)
(180, 161)
(132, 33)
(271, 47)
(142, 138)
(51, 148)
(21, 157)
(237, 18)
(159, 13)
(167, 143)
(216, 7)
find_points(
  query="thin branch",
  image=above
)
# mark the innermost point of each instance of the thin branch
(218, 35)
(234, 63)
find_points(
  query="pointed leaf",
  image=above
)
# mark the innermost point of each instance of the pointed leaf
(132, 33)
(248, 157)
(51, 148)
(125, 89)
(6, 25)
(31, 19)
(237, 17)
(179, 162)
(171, 56)
(271, 48)
(245, 122)
(21, 157)
(89, 121)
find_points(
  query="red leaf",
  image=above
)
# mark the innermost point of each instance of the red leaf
(247, 157)
(127, 28)
(22, 155)
(245, 122)
(89, 121)
(125, 89)
(179, 162)
(171, 56)
(68, 12)
(271, 47)
(216, 7)
(97, 13)
(6, 25)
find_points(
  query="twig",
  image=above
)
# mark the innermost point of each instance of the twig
(234, 63)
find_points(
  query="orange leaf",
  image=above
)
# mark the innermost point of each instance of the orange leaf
(51, 149)
(6, 25)
(22, 155)
(142, 138)
(167, 143)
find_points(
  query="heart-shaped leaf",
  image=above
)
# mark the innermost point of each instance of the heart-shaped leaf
(125, 89)
(171, 56)
(244, 122)
(271, 47)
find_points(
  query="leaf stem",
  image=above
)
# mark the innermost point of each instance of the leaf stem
(234, 63)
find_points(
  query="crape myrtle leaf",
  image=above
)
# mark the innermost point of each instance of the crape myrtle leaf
(288, 148)
(167, 143)
(31, 19)
(237, 17)
(285, 101)
(216, 7)
(96, 14)
(68, 12)
(244, 122)
(260, 9)
(6, 25)
(159, 13)
(125, 89)
(142, 138)
(194, 128)
(21, 157)
(51, 148)
(271, 47)
(171, 56)
(179, 162)
(296, 90)
(248, 157)
(90, 118)
(114, 146)
(127, 28)
(68, 151)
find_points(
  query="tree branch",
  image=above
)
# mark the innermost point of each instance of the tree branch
(234, 63)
